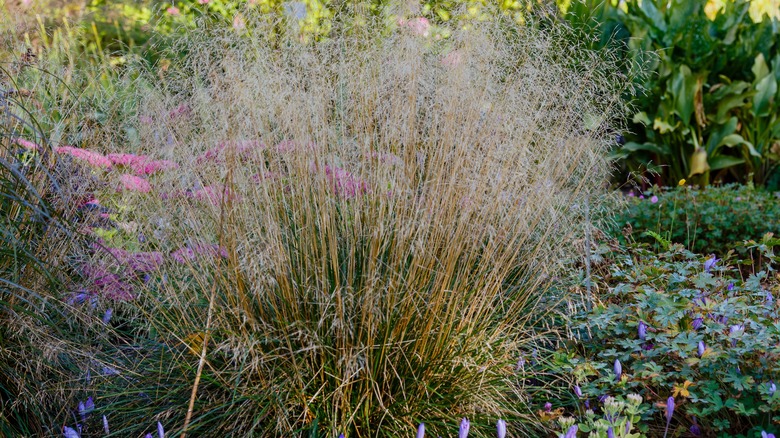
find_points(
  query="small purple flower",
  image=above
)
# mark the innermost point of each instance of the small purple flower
(648, 346)
(618, 369)
(82, 411)
(107, 315)
(701, 348)
(628, 427)
(669, 408)
(697, 323)
(730, 287)
(642, 330)
(105, 425)
(548, 407)
(654, 199)
(578, 391)
(736, 331)
(603, 397)
(767, 435)
(160, 430)
(89, 406)
(70, 433)
(610, 433)
(463, 432)
(772, 388)
(501, 429)
(341, 435)
(421, 430)
(520, 364)
(695, 430)
(770, 299)
(572, 432)
(710, 263)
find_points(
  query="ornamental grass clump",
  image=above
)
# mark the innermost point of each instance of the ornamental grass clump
(384, 226)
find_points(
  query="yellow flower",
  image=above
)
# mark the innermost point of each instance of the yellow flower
(681, 183)
(682, 390)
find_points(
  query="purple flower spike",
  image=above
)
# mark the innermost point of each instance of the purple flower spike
(702, 348)
(501, 428)
(572, 432)
(710, 263)
(548, 407)
(463, 432)
(70, 433)
(642, 330)
(160, 430)
(669, 408)
(610, 433)
(697, 323)
(578, 391)
(421, 430)
(618, 368)
(105, 425)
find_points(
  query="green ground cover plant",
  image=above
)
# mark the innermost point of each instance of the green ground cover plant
(682, 326)
(713, 220)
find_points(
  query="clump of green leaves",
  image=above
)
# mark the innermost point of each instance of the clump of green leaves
(684, 326)
(710, 108)
(713, 220)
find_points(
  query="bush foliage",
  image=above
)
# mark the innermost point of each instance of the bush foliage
(712, 220)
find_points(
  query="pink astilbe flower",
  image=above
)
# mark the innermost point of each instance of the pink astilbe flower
(192, 252)
(214, 194)
(107, 284)
(344, 183)
(93, 158)
(452, 59)
(27, 144)
(173, 10)
(144, 261)
(244, 149)
(141, 164)
(418, 26)
(135, 184)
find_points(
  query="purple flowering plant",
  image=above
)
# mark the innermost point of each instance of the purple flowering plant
(710, 340)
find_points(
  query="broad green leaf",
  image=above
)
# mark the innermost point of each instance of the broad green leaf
(765, 93)
(641, 117)
(633, 147)
(683, 88)
(760, 69)
(724, 161)
(718, 134)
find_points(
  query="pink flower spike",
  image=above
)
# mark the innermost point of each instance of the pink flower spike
(173, 10)
(203, 2)
(27, 144)
(135, 184)
(93, 158)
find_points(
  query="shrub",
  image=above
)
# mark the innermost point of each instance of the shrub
(681, 326)
(710, 108)
(712, 220)
(354, 240)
